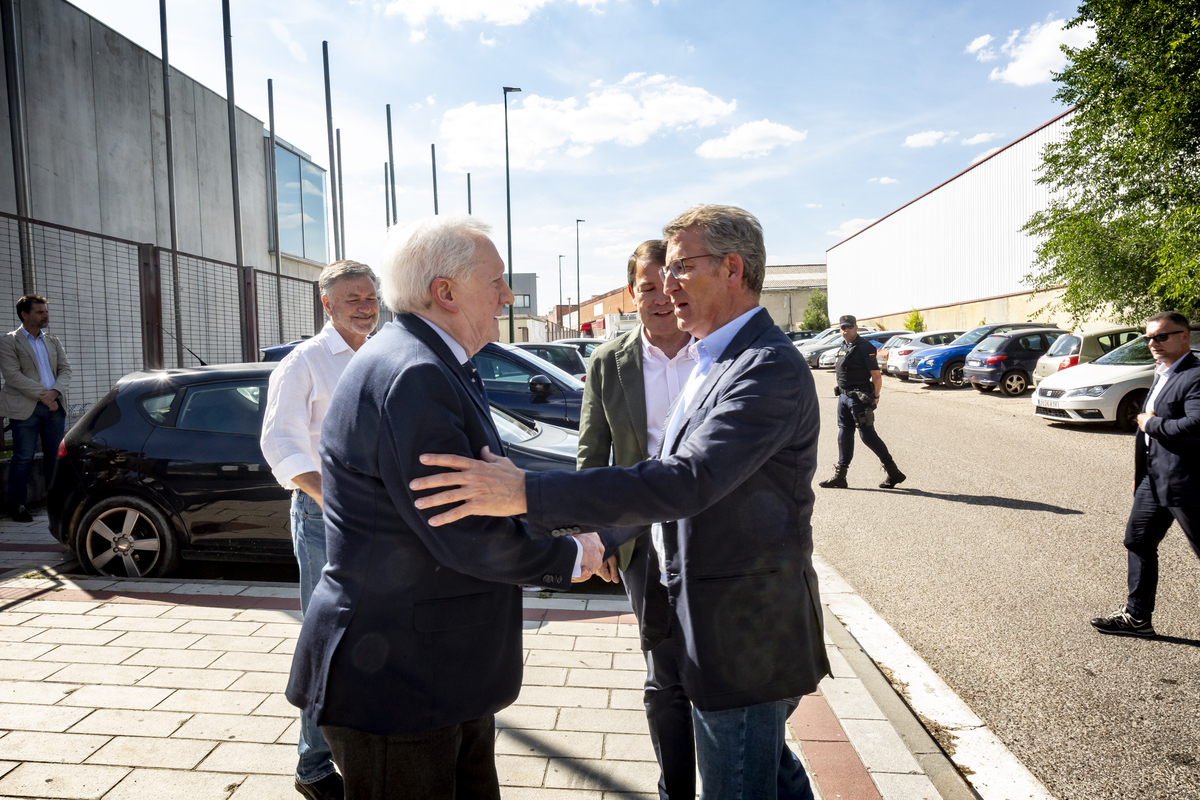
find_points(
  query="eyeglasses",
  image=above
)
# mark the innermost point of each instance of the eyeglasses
(678, 269)
(1162, 337)
(847, 327)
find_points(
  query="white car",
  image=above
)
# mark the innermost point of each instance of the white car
(910, 346)
(1110, 389)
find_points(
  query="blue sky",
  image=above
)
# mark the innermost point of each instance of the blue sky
(816, 117)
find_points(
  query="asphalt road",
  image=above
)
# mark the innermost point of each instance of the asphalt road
(991, 559)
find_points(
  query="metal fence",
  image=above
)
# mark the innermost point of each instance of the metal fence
(112, 304)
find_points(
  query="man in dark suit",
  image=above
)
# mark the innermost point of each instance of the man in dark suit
(1166, 470)
(631, 384)
(412, 638)
(732, 500)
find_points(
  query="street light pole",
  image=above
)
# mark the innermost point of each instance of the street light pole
(508, 199)
(578, 286)
(560, 258)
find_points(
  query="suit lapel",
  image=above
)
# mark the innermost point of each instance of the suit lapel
(633, 386)
(419, 328)
(23, 341)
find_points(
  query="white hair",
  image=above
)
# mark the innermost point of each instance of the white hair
(419, 253)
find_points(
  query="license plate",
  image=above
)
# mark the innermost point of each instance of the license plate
(974, 362)
(1049, 403)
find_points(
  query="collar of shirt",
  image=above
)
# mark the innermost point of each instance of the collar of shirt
(30, 336)
(332, 338)
(710, 348)
(651, 352)
(1167, 372)
(459, 351)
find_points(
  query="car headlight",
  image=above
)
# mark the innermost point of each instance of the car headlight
(929, 362)
(1089, 391)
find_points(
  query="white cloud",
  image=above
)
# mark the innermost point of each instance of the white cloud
(814, 205)
(430, 100)
(627, 113)
(282, 34)
(884, 181)
(751, 140)
(415, 35)
(488, 42)
(979, 48)
(929, 138)
(851, 227)
(1035, 56)
(985, 154)
(454, 12)
(980, 138)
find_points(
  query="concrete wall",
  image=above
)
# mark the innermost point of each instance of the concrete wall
(97, 143)
(1026, 307)
(786, 306)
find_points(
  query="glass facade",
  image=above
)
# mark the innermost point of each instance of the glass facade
(301, 187)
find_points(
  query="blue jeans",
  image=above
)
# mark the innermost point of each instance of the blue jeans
(43, 423)
(308, 540)
(742, 754)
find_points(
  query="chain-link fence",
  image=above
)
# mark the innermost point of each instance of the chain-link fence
(299, 313)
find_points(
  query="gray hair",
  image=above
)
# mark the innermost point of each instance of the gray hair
(421, 252)
(340, 270)
(728, 229)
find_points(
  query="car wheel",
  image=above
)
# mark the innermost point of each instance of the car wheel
(1128, 410)
(1014, 383)
(952, 375)
(126, 537)
(902, 377)
(980, 387)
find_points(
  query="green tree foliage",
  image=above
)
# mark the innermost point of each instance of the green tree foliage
(1122, 232)
(816, 313)
(914, 322)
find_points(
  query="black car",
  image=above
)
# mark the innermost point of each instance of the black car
(527, 385)
(168, 466)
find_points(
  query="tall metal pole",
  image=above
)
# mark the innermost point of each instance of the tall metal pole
(433, 159)
(249, 315)
(560, 258)
(341, 193)
(337, 239)
(508, 199)
(274, 187)
(468, 193)
(578, 285)
(387, 209)
(20, 147)
(391, 161)
(169, 125)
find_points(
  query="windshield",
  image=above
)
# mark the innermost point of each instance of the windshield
(510, 428)
(1137, 353)
(992, 344)
(972, 336)
(1065, 346)
(544, 366)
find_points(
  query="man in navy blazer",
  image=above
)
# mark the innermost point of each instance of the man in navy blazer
(1166, 470)
(731, 499)
(412, 639)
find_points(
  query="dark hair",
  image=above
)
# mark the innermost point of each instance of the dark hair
(26, 303)
(1171, 316)
(651, 251)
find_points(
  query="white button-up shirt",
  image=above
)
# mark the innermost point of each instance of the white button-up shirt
(1162, 374)
(38, 343)
(664, 379)
(297, 399)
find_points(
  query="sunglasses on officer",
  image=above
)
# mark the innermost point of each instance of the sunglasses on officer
(1162, 337)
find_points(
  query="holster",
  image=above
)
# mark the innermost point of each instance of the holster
(866, 415)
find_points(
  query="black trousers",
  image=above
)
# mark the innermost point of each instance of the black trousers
(848, 410)
(453, 763)
(669, 713)
(1148, 524)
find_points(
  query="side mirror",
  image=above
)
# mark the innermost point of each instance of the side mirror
(540, 385)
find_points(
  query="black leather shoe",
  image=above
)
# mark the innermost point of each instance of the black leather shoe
(328, 788)
(1122, 623)
(21, 514)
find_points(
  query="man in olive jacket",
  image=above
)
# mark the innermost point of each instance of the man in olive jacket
(631, 383)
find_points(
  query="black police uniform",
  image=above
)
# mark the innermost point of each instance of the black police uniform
(855, 363)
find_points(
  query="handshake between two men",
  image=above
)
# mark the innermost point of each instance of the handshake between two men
(492, 487)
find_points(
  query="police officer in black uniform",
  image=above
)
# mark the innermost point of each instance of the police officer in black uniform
(859, 382)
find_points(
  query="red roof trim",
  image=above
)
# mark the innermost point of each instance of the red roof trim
(956, 177)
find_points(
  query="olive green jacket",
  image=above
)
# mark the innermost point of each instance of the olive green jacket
(612, 421)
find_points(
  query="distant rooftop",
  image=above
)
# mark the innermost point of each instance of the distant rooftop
(795, 276)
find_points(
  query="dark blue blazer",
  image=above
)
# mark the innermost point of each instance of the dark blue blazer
(734, 491)
(1169, 449)
(412, 628)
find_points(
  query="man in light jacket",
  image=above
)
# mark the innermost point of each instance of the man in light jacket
(36, 375)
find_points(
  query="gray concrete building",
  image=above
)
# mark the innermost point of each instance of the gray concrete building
(786, 290)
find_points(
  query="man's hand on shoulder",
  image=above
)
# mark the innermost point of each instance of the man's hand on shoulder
(490, 487)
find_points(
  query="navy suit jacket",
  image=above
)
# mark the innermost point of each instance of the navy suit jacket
(734, 493)
(1169, 449)
(412, 628)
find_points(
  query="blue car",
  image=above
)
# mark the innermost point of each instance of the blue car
(1006, 360)
(944, 364)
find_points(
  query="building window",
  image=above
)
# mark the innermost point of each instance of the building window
(301, 187)
(521, 301)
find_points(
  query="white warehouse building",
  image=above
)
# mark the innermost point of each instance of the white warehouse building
(956, 253)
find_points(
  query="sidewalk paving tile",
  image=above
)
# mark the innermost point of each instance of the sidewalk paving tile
(61, 748)
(156, 657)
(906, 787)
(267, 787)
(89, 654)
(198, 612)
(180, 678)
(566, 744)
(14, 633)
(521, 770)
(548, 642)
(241, 644)
(133, 697)
(253, 662)
(268, 682)
(7, 766)
(279, 630)
(23, 651)
(573, 604)
(605, 720)
(606, 678)
(608, 644)
(849, 699)
(29, 670)
(117, 722)
(108, 673)
(248, 758)
(562, 697)
(218, 626)
(838, 772)
(544, 676)
(31, 692)
(177, 641)
(82, 621)
(634, 660)
(74, 636)
(56, 607)
(578, 628)
(150, 624)
(272, 591)
(527, 718)
(603, 604)
(276, 705)
(132, 610)
(627, 698)
(74, 781)
(202, 701)
(10, 618)
(18, 716)
(589, 774)
(144, 587)
(287, 647)
(814, 721)
(143, 751)
(291, 735)
(570, 658)
(212, 589)
(628, 747)
(170, 784)
(271, 615)
(232, 727)
(880, 747)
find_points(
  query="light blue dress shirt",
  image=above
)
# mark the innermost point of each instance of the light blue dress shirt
(38, 343)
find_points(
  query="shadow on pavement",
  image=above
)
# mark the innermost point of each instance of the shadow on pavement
(1176, 640)
(975, 500)
(590, 777)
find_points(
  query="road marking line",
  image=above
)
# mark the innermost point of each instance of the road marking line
(992, 769)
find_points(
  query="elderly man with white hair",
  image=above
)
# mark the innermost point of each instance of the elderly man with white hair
(412, 640)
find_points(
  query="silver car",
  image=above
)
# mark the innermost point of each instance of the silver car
(910, 347)
(1080, 348)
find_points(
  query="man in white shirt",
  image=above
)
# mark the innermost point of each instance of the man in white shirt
(632, 382)
(297, 400)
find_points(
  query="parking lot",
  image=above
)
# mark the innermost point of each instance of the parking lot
(991, 559)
